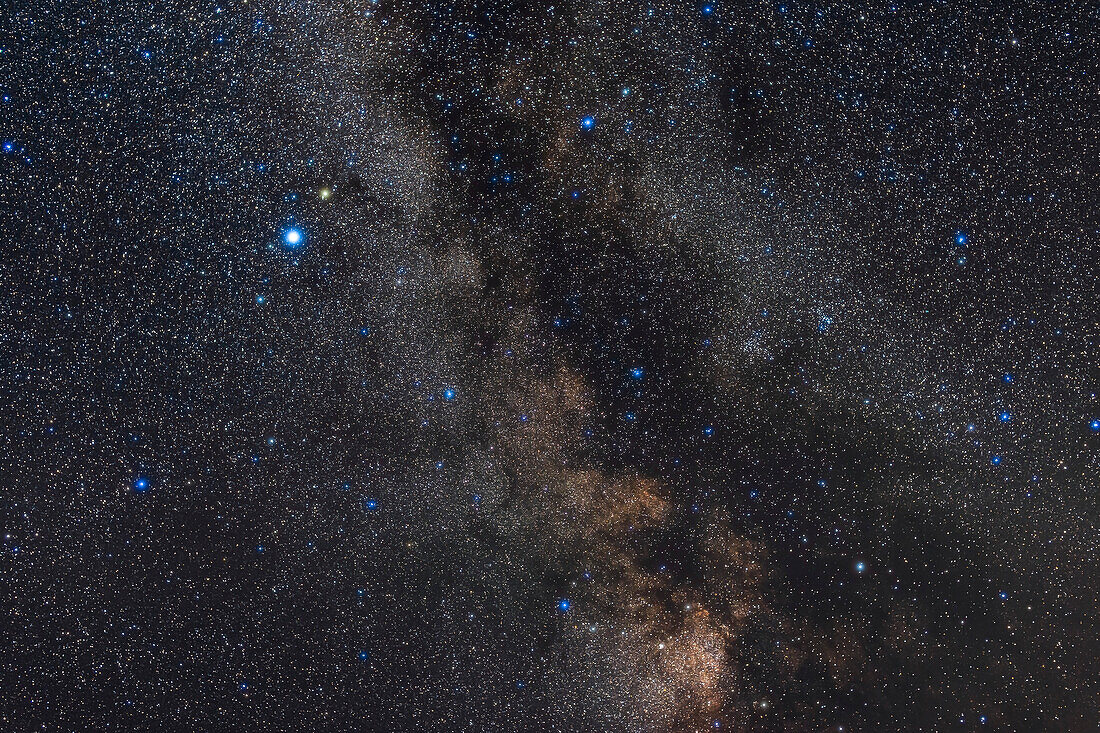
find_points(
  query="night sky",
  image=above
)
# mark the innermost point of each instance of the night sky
(559, 366)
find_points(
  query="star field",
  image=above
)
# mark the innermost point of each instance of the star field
(584, 366)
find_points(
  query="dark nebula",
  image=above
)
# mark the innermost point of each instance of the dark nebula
(573, 366)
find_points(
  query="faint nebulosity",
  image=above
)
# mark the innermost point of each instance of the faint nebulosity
(576, 366)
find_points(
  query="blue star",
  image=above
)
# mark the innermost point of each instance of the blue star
(1008, 378)
(588, 123)
(861, 566)
(637, 372)
(141, 484)
(363, 656)
(961, 238)
(995, 460)
(364, 331)
(1094, 426)
(293, 237)
(629, 417)
(1005, 416)
(708, 9)
(564, 605)
(708, 431)
(260, 299)
(449, 394)
(371, 505)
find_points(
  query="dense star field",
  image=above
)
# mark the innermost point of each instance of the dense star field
(561, 366)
